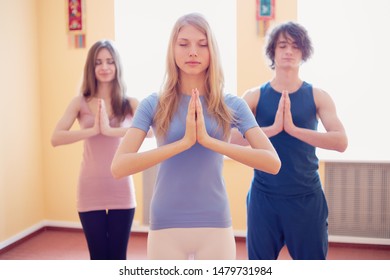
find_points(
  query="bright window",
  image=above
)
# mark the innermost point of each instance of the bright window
(351, 62)
(142, 30)
(142, 33)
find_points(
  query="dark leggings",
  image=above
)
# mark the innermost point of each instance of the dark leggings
(107, 233)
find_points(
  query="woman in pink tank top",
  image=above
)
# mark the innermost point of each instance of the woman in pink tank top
(105, 205)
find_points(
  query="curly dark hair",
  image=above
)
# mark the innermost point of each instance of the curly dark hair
(294, 30)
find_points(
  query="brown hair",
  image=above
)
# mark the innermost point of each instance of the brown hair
(297, 32)
(119, 102)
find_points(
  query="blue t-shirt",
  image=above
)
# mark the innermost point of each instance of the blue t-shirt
(298, 175)
(190, 190)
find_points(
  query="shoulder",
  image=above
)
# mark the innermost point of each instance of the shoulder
(321, 97)
(76, 102)
(252, 93)
(320, 93)
(243, 116)
(236, 103)
(251, 96)
(151, 99)
(75, 105)
(233, 100)
(133, 102)
(149, 102)
(78, 99)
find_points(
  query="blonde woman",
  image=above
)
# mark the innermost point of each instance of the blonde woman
(106, 206)
(191, 118)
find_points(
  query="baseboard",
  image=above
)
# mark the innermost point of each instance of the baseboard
(358, 240)
(138, 228)
(61, 225)
(31, 231)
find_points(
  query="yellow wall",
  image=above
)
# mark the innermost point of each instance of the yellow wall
(252, 70)
(61, 71)
(40, 76)
(21, 173)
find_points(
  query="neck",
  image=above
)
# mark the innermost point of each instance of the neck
(190, 82)
(104, 91)
(286, 80)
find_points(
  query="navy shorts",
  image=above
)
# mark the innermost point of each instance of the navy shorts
(300, 223)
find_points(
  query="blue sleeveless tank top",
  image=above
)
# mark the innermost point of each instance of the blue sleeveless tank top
(299, 171)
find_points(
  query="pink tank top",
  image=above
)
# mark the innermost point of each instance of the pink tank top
(97, 189)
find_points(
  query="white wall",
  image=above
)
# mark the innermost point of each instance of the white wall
(143, 29)
(351, 62)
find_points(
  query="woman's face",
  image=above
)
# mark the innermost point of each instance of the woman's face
(191, 51)
(105, 67)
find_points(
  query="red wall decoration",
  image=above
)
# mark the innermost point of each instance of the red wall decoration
(265, 12)
(76, 23)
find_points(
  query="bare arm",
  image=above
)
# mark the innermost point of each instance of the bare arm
(334, 138)
(127, 160)
(237, 138)
(106, 129)
(260, 155)
(252, 97)
(62, 134)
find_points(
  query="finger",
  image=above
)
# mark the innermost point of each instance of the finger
(199, 108)
(103, 105)
(281, 102)
(191, 107)
(285, 94)
(286, 100)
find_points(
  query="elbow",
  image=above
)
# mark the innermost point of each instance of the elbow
(120, 166)
(118, 171)
(273, 165)
(150, 134)
(54, 142)
(276, 167)
(115, 171)
(342, 149)
(342, 145)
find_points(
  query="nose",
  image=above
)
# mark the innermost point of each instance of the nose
(193, 52)
(287, 49)
(105, 65)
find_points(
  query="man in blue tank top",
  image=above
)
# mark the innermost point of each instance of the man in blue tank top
(290, 208)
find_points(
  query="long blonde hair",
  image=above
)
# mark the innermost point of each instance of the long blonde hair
(169, 96)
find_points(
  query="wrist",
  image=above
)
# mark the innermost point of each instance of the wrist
(105, 131)
(274, 130)
(207, 141)
(292, 130)
(184, 144)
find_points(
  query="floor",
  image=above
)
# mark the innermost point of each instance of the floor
(65, 244)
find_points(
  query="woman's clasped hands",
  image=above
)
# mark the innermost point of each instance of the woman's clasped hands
(102, 121)
(195, 124)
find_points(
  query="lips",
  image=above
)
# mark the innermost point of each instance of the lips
(105, 74)
(193, 62)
